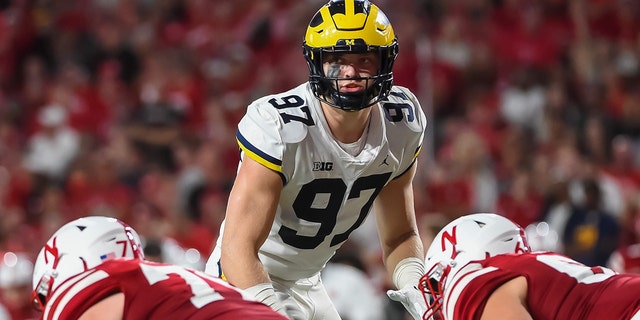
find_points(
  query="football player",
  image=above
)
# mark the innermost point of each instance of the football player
(93, 268)
(316, 160)
(481, 267)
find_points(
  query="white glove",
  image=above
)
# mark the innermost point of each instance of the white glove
(412, 300)
(406, 276)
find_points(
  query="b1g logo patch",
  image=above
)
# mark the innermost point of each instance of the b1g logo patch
(323, 166)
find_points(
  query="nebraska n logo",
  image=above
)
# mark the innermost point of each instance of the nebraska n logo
(52, 250)
(450, 238)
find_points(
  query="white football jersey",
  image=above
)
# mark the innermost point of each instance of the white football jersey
(327, 192)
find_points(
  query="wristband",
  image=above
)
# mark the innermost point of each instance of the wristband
(408, 272)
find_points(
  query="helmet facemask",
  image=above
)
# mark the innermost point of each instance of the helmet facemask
(42, 289)
(432, 287)
(325, 87)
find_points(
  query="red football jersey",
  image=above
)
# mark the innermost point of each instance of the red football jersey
(558, 288)
(154, 291)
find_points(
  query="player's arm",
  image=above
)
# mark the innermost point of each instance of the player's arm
(395, 216)
(109, 308)
(508, 302)
(401, 244)
(250, 213)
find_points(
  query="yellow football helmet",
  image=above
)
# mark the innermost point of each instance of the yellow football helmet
(350, 26)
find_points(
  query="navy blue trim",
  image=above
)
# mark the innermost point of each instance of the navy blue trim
(257, 151)
(399, 95)
(405, 171)
(261, 154)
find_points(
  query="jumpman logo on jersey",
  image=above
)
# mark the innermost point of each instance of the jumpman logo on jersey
(384, 162)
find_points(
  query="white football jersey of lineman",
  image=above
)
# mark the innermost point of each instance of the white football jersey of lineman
(327, 192)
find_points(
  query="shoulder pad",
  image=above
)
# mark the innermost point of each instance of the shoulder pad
(402, 106)
(290, 112)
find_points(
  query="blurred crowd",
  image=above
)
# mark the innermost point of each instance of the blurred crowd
(128, 109)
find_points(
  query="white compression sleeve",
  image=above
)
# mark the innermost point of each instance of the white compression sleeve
(408, 271)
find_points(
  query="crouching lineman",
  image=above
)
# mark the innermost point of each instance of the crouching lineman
(93, 268)
(480, 266)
